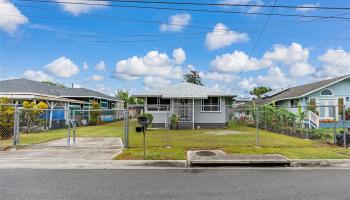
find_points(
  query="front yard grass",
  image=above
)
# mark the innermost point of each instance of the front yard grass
(242, 141)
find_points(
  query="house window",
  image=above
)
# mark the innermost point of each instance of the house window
(341, 106)
(212, 104)
(294, 103)
(326, 92)
(158, 104)
(164, 104)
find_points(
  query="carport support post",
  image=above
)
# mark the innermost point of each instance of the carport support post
(68, 122)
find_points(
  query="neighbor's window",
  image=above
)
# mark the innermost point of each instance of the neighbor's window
(212, 104)
(326, 92)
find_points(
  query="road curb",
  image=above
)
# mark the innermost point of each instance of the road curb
(320, 162)
(5, 148)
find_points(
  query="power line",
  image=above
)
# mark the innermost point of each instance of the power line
(259, 37)
(188, 9)
(225, 4)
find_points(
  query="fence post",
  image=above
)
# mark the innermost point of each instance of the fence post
(15, 127)
(257, 126)
(126, 129)
(282, 124)
(334, 125)
(344, 129)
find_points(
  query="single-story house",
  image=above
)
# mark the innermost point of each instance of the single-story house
(57, 98)
(325, 95)
(196, 106)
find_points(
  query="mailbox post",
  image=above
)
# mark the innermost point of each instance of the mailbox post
(143, 121)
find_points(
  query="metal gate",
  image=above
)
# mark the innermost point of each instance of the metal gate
(59, 127)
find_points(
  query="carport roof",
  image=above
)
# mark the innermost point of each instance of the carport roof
(184, 91)
(25, 86)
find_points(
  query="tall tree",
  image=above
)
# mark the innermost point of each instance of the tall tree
(258, 91)
(124, 96)
(193, 77)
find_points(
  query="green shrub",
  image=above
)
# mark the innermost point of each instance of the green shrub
(95, 114)
(6, 119)
(174, 122)
(149, 117)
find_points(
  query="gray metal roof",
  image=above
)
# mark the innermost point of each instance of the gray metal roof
(183, 90)
(25, 86)
(301, 91)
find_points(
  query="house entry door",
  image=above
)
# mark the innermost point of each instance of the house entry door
(183, 108)
(327, 108)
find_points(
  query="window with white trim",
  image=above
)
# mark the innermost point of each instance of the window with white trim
(212, 104)
(158, 104)
(327, 92)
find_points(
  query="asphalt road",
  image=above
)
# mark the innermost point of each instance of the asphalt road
(279, 184)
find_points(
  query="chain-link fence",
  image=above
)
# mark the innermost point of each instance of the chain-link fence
(53, 127)
(325, 124)
(97, 117)
(218, 125)
(6, 123)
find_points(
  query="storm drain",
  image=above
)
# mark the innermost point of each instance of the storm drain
(205, 153)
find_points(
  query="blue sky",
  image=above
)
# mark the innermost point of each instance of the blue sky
(138, 49)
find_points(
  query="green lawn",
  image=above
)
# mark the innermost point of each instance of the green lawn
(183, 140)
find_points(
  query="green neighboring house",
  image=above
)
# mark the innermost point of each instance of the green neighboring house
(324, 95)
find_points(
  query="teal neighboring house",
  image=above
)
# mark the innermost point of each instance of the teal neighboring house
(331, 98)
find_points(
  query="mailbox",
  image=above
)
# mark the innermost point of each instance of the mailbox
(139, 129)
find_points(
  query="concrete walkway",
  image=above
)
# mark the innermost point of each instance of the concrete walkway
(53, 153)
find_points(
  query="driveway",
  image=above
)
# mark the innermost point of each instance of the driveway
(86, 150)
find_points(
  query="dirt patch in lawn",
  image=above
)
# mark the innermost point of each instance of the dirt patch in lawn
(225, 132)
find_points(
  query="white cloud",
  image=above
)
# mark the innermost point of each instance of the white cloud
(176, 23)
(275, 79)
(301, 69)
(76, 85)
(287, 54)
(154, 82)
(252, 2)
(292, 56)
(85, 66)
(308, 5)
(247, 83)
(222, 36)
(216, 76)
(179, 56)
(101, 66)
(236, 62)
(105, 89)
(153, 64)
(62, 67)
(11, 17)
(37, 75)
(336, 63)
(77, 8)
(96, 78)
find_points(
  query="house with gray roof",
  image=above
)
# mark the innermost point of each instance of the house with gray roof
(330, 97)
(195, 106)
(57, 98)
(19, 90)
